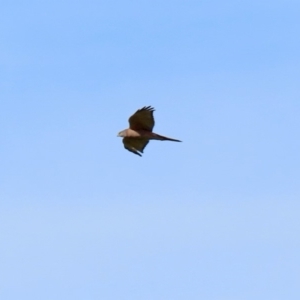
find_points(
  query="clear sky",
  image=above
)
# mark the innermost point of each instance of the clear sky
(215, 217)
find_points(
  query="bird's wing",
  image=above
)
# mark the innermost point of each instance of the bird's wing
(142, 119)
(135, 145)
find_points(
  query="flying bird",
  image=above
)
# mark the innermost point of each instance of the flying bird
(139, 133)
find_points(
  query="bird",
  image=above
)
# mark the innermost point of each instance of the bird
(139, 133)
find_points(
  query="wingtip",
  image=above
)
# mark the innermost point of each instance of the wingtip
(149, 107)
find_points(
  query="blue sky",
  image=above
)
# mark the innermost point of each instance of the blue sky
(215, 217)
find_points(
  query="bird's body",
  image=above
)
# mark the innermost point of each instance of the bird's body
(138, 135)
(130, 133)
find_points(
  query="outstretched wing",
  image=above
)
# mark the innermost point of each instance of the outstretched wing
(142, 119)
(135, 145)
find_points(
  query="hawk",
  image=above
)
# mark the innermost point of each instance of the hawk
(139, 133)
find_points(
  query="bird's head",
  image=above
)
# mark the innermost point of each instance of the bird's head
(122, 133)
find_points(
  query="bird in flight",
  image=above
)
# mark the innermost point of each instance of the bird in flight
(139, 133)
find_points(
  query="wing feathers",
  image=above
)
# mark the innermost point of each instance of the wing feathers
(142, 119)
(135, 145)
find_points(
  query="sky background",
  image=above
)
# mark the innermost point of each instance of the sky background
(215, 217)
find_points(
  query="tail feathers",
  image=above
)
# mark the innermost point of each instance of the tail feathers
(164, 138)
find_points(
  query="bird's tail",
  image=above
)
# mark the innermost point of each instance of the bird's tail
(164, 138)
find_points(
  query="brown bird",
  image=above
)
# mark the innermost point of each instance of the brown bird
(139, 133)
